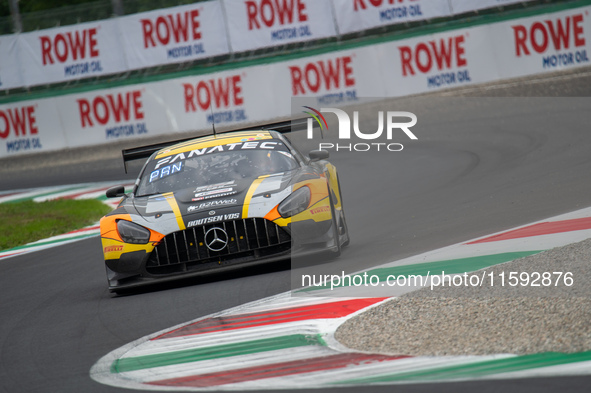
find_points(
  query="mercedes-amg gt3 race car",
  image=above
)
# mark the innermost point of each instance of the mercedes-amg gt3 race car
(221, 202)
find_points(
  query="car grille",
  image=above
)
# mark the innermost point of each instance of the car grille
(248, 240)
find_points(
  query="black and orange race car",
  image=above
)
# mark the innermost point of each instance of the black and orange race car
(221, 202)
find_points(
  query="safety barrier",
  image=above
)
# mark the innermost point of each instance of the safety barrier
(199, 31)
(498, 47)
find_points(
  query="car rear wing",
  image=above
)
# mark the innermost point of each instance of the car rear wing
(143, 152)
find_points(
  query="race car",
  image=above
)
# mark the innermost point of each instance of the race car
(221, 202)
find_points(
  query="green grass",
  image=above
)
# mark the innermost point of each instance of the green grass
(28, 221)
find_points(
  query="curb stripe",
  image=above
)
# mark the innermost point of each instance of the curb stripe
(453, 266)
(8, 194)
(214, 352)
(27, 194)
(45, 194)
(276, 370)
(243, 321)
(100, 190)
(480, 369)
(73, 191)
(543, 228)
(284, 342)
(87, 229)
(48, 242)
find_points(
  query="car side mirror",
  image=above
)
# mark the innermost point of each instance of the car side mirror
(115, 192)
(316, 155)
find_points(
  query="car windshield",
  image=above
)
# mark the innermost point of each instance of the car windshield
(215, 165)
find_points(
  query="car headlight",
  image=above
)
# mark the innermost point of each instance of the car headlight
(296, 203)
(132, 233)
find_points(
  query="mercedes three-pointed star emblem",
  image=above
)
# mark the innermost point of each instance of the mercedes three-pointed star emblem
(216, 239)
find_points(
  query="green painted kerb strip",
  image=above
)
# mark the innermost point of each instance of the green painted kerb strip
(479, 369)
(215, 352)
(42, 243)
(453, 266)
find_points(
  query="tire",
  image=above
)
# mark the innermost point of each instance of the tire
(345, 230)
(343, 219)
(335, 229)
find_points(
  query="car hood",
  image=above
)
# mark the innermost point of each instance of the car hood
(211, 203)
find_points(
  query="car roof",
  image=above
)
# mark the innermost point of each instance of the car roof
(215, 140)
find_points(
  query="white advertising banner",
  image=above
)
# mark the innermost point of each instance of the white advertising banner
(337, 78)
(264, 92)
(549, 42)
(461, 6)
(72, 52)
(109, 115)
(174, 35)
(224, 98)
(29, 127)
(445, 60)
(10, 76)
(480, 54)
(358, 15)
(260, 23)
